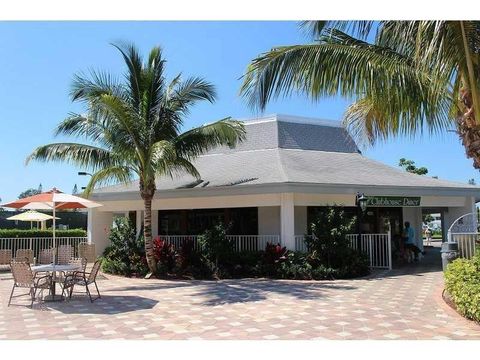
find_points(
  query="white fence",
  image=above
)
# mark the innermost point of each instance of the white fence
(38, 243)
(253, 242)
(241, 242)
(378, 248)
(467, 243)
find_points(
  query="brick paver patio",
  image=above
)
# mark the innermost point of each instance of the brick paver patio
(401, 304)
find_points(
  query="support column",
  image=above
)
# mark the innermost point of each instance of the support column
(98, 229)
(89, 225)
(287, 221)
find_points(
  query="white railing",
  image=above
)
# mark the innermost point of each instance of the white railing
(378, 247)
(300, 244)
(253, 242)
(353, 238)
(467, 243)
(38, 243)
(241, 242)
(178, 240)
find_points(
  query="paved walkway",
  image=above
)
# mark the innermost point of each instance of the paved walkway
(401, 304)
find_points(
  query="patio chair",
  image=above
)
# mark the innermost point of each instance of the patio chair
(83, 278)
(21, 254)
(66, 275)
(64, 254)
(5, 256)
(87, 251)
(45, 256)
(24, 277)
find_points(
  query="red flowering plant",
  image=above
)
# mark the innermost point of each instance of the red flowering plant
(165, 255)
(274, 253)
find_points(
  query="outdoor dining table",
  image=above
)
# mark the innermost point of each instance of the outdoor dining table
(52, 268)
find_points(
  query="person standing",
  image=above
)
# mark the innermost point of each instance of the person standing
(409, 238)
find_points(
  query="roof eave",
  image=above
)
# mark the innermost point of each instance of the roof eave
(270, 188)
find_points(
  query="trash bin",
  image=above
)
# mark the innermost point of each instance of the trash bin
(449, 253)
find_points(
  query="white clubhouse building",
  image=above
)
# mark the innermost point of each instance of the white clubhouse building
(270, 186)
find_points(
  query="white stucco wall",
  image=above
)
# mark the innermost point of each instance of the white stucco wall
(414, 216)
(269, 220)
(99, 224)
(453, 213)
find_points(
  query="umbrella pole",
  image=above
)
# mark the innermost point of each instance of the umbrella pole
(53, 233)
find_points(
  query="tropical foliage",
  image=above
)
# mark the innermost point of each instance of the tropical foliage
(213, 257)
(134, 128)
(409, 166)
(328, 244)
(403, 76)
(462, 282)
(126, 253)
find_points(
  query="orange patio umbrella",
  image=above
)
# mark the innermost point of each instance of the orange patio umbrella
(52, 200)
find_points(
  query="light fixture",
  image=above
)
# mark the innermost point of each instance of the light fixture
(362, 201)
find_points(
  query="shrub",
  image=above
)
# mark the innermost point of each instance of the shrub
(17, 233)
(274, 254)
(243, 264)
(295, 266)
(216, 248)
(462, 282)
(187, 255)
(353, 264)
(328, 241)
(126, 253)
(164, 254)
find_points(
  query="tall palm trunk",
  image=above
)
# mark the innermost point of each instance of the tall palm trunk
(147, 193)
(468, 130)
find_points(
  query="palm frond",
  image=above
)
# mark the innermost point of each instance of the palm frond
(199, 140)
(109, 175)
(338, 65)
(373, 119)
(133, 61)
(86, 87)
(186, 93)
(315, 29)
(177, 168)
(85, 156)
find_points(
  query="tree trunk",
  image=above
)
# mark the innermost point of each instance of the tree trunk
(147, 234)
(468, 129)
(147, 191)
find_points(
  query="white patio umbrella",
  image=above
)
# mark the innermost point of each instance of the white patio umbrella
(52, 200)
(31, 216)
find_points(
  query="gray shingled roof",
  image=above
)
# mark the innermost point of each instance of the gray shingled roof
(285, 151)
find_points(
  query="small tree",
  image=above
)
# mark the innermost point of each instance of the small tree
(327, 241)
(29, 192)
(215, 246)
(428, 218)
(409, 165)
(126, 253)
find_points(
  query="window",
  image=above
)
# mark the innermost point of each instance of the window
(244, 221)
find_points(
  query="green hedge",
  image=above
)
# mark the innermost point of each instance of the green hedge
(16, 233)
(462, 282)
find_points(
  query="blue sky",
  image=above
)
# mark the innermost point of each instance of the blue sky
(39, 59)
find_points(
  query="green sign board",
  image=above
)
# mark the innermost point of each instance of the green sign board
(393, 201)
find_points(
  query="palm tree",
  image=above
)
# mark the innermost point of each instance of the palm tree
(413, 76)
(134, 128)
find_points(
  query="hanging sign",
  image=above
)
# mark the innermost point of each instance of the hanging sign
(393, 201)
